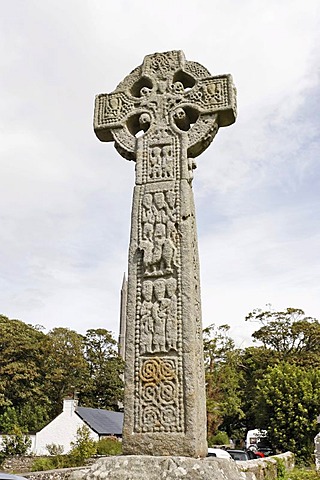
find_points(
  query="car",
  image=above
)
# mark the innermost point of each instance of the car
(10, 476)
(251, 454)
(254, 454)
(238, 455)
(267, 451)
(219, 453)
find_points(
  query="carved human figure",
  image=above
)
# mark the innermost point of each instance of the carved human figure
(146, 245)
(192, 165)
(171, 218)
(159, 239)
(167, 161)
(169, 252)
(212, 91)
(171, 324)
(170, 204)
(155, 162)
(114, 105)
(159, 315)
(148, 210)
(161, 207)
(171, 200)
(146, 320)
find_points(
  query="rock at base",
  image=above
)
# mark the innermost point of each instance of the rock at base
(145, 467)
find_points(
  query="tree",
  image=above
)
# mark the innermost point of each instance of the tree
(287, 337)
(29, 417)
(290, 334)
(37, 371)
(33, 417)
(22, 373)
(8, 419)
(287, 405)
(67, 369)
(105, 385)
(222, 381)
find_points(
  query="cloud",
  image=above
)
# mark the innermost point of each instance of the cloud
(258, 258)
(66, 197)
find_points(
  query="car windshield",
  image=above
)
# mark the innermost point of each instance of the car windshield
(238, 455)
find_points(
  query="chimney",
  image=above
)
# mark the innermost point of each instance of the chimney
(69, 406)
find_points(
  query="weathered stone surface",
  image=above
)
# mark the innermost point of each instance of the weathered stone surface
(186, 468)
(134, 467)
(162, 115)
(266, 468)
(17, 463)
(179, 468)
(77, 473)
(317, 451)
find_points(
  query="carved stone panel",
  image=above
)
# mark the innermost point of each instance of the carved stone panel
(158, 233)
(158, 316)
(161, 401)
(162, 115)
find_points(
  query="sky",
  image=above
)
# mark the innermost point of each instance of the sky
(66, 197)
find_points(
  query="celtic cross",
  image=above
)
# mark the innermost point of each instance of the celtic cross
(162, 115)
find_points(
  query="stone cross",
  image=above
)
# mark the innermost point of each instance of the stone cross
(162, 115)
(317, 451)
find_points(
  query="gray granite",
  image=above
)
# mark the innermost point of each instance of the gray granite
(162, 115)
(136, 467)
(184, 468)
(317, 451)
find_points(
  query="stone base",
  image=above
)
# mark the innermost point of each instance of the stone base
(145, 467)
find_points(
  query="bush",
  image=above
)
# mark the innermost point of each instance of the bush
(52, 463)
(109, 446)
(83, 447)
(281, 469)
(54, 449)
(40, 464)
(221, 438)
(303, 474)
(16, 443)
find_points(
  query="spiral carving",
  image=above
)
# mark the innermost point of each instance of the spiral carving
(159, 393)
(155, 370)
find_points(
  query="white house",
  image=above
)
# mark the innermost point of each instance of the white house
(63, 429)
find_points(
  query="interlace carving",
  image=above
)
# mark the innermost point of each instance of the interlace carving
(169, 92)
(162, 115)
(159, 393)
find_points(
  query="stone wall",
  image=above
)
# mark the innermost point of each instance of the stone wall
(61, 474)
(17, 464)
(267, 468)
(261, 469)
(23, 464)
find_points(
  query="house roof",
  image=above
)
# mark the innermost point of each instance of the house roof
(103, 422)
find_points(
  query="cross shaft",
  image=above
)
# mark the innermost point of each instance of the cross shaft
(162, 115)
